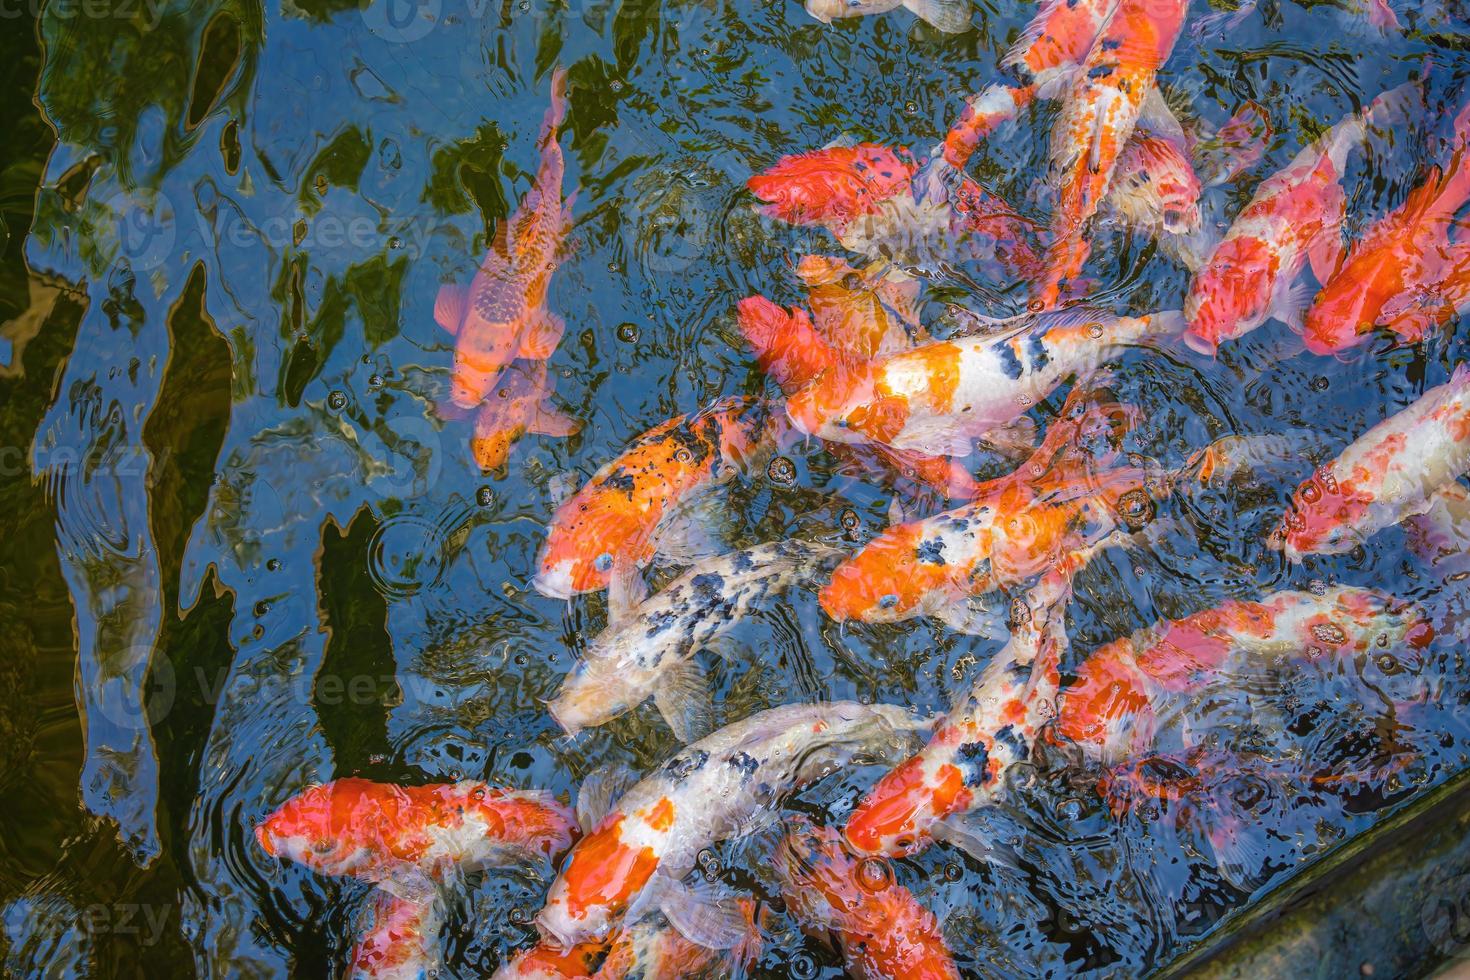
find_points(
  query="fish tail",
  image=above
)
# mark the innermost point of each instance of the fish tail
(557, 112)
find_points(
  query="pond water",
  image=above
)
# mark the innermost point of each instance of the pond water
(248, 548)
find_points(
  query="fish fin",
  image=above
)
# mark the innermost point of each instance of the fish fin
(626, 590)
(683, 698)
(1325, 251)
(449, 306)
(1444, 527)
(896, 514)
(841, 141)
(688, 531)
(959, 831)
(601, 788)
(948, 16)
(1240, 851)
(561, 487)
(967, 614)
(541, 336)
(705, 915)
(972, 324)
(1291, 306)
(548, 420)
(902, 297)
(1015, 439)
(1158, 118)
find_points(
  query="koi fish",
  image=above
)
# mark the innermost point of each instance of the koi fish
(832, 187)
(1110, 708)
(398, 940)
(1387, 474)
(648, 647)
(1405, 254)
(519, 405)
(546, 961)
(940, 397)
(652, 949)
(864, 318)
(637, 504)
(882, 929)
(943, 566)
(1234, 147)
(726, 785)
(947, 16)
(1156, 191)
(502, 315)
(1099, 113)
(406, 838)
(990, 729)
(1293, 219)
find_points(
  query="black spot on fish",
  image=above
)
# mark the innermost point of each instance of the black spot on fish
(1036, 352)
(1011, 739)
(980, 570)
(620, 480)
(1100, 71)
(1010, 364)
(686, 438)
(660, 621)
(931, 552)
(743, 562)
(681, 766)
(1111, 44)
(974, 763)
(746, 764)
(707, 587)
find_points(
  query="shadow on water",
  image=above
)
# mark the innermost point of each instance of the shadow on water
(246, 550)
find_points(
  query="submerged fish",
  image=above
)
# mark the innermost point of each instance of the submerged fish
(990, 729)
(1401, 259)
(864, 317)
(652, 949)
(502, 314)
(637, 505)
(407, 838)
(1389, 473)
(726, 785)
(832, 187)
(398, 939)
(949, 16)
(940, 397)
(648, 648)
(883, 931)
(1294, 218)
(519, 405)
(1110, 707)
(1099, 113)
(548, 961)
(1156, 191)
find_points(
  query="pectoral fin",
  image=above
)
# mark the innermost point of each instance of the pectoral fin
(449, 306)
(547, 420)
(948, 16)
(601, 789)
(690, 530)
(683, 699)
(968, 615)
(1016, 439)
(626, 590)
(1291, 305)
(541, 336)
(703, 914)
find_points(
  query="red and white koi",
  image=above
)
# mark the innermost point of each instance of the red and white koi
(1294, 218)
(940, 397)
(407, 838)
(633, 507)
(726, 785)
(398, 939)
(883, 931)
(502, 315)
(1402, 258)
(1099, 112)
(1389, 473)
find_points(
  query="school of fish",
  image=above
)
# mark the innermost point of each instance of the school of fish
(909, 401)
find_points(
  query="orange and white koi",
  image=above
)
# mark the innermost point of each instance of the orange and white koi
(648, 648)
(548, 961)
(520, 404)
(990, 729)
(863, 317)
(883, 931)
(1294, 219)
(940, 397)
(407, 838)
(1111, 707)
(726, 785)
(832, 187)
(1099, 112)
(502, 314)
(1403, 256)
(398, 939)
(1156, 191)
(948, 16)
(1389, 473)
(630, 508)
(652, 949)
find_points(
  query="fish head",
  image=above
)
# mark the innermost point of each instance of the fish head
(597, 690)
(336, 828)
(842, 405)
(600, 879)
(827, 11)
(787, 345)
(1358, 621)
(1338, 317)
(1230, 296)
(1322, 518)
(833, 185)
(892, 578)
(588, 536)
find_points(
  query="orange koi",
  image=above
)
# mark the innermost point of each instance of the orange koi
(882, 929)
(502, 314)
(1156, 191)
(832, 187)
(399, 940)
(519, 405)
(1393, 471)
(414, 835)
(619, 518)
(1099, 112)
(865, 319)
(1294, 218)
(1406, 254)
(547, 961)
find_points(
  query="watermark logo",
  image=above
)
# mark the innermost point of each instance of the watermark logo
(1445, 914)
(401, 21)
(145, 227)
(136, 707)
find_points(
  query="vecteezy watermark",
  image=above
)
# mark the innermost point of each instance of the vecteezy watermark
(147, 12)
(135, 706)
(402, 20)
(142, 922)
(1445, 913)
(144, 225)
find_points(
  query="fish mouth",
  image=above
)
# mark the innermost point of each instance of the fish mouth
(555, 582)
(1200, 344)
(266, 840)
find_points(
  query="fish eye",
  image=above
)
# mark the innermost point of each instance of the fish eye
(841, 423)
(888, 601)
(323, 846)
(603, 562)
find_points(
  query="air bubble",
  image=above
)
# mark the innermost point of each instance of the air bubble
(874, 874)
(850, 520)
(484, 496)
(375, 381)
(1319, 383)
(336, 401)
(273, 565)
(628, 332)
(1036, 306)
(782, 471)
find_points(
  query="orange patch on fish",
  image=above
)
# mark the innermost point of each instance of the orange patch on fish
(603, 871)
